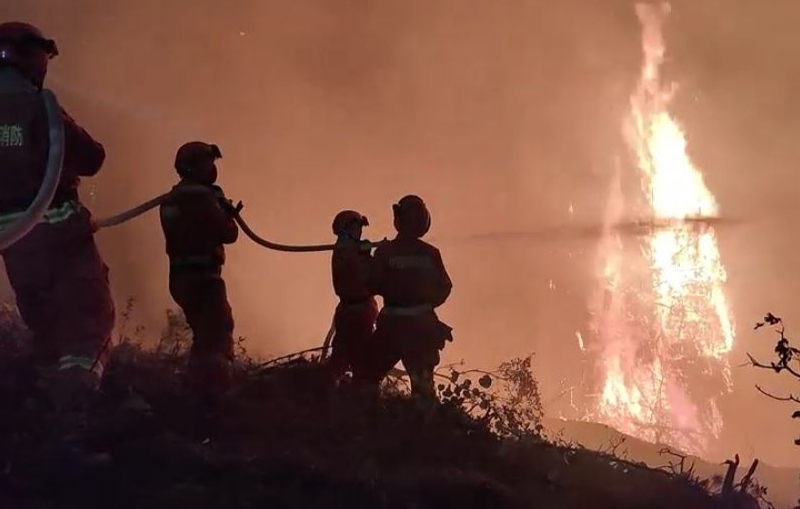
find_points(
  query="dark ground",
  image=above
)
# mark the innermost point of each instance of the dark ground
(287, 439)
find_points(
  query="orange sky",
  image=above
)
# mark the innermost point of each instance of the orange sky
(501, 114)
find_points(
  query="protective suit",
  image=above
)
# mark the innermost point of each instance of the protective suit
(410, 276)
(196, 226)
(58, 276)
(354, 320)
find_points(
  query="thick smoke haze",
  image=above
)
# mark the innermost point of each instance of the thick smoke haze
(501, 114)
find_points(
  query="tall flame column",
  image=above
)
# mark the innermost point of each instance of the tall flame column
(661, 315)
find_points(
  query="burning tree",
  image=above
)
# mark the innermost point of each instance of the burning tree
(661, 317)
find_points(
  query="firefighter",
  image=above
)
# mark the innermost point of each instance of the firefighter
(58, 276)
(355, 315)
(197, 220)
(410, 276)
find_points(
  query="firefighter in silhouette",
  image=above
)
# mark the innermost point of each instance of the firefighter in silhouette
(58, 276)
(410, 276)
(355, 315)
(197, 221)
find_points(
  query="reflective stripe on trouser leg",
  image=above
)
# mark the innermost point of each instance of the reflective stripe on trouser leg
(76, 361)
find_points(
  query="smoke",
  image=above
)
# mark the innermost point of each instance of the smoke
(500, 114)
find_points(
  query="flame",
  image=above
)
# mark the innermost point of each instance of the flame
(664, 322)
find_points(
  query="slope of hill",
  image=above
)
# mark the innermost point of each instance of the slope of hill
(285, 437)
(783, 484)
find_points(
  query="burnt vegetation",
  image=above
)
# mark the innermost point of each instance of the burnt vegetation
(288, 438)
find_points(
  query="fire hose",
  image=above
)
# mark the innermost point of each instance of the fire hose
(133, 213)
(55, 158)
(279, 247)
(236, 213)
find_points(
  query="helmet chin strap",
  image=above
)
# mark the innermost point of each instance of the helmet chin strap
(346, 237)
(191, 175)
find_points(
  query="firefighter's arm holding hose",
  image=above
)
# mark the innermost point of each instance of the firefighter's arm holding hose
(83, 156)
(225, 222)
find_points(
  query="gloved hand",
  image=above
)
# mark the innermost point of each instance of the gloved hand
(228, 206)
(368, 245)
(224, 202)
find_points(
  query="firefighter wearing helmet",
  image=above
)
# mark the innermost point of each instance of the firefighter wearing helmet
(354, 319)
(197, 221)
(410, 276)
(58, 276)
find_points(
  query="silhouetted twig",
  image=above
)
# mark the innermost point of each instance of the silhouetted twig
(790, 397)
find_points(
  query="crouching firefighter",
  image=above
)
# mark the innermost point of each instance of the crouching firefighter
(410, 276)
(60, 280)
(354, 320)
(197, 221)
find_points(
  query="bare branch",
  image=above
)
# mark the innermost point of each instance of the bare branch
(757, 364)
(672, 466)
(773, 366)
(790, 397)
(794, 372)
(493, 374)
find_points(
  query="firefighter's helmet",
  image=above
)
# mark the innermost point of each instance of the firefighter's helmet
(347, 218)
(25, 47)
(194, 152)
(411, 216)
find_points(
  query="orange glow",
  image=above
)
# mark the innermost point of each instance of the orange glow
(665, 308)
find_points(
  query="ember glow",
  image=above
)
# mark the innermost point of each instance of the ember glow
(661, 317)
